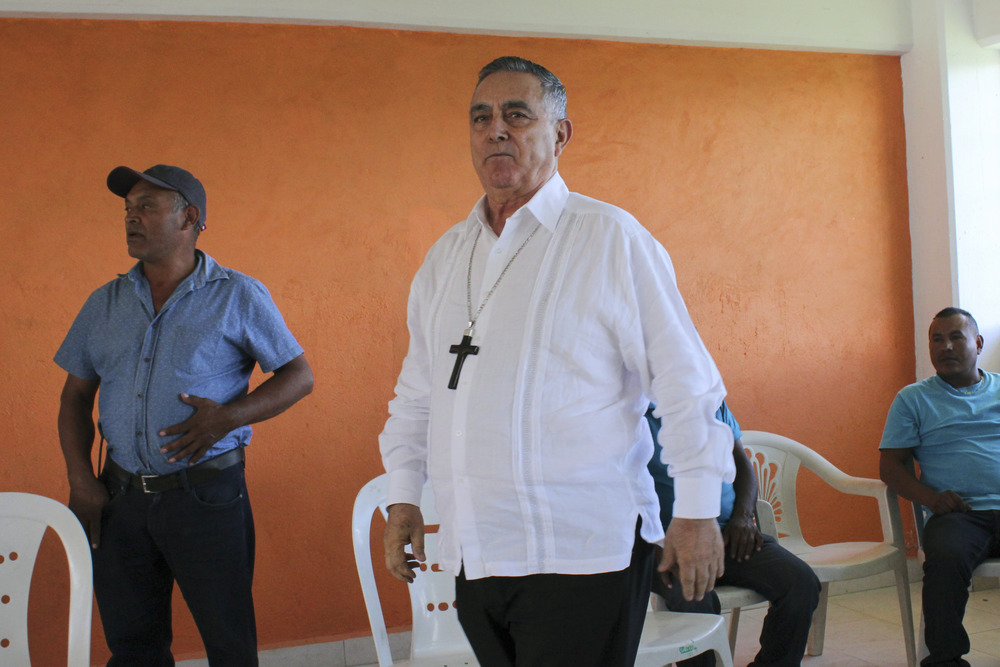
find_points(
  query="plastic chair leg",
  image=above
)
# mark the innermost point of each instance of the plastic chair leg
(734, 627)
(906, 612)
(817, 633)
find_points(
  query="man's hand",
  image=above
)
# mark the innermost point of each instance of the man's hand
(693, 553)
(87, 498)
(404, 525)
(946, 502)
(209, 424)
(742, 538)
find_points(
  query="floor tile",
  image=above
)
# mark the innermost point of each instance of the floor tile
(863, 629)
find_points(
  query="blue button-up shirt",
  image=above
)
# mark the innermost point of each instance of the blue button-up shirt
(204, 342)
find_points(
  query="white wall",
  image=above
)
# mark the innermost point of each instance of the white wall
(867, 26)
(951, 101)
(973, 92)
(987, 22)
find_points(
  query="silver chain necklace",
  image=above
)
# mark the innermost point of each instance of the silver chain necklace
(468, 280)
(465, 348)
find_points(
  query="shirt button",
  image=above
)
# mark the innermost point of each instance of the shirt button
(146, 360)
(139, 395)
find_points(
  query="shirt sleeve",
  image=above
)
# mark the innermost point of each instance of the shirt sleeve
(902, 430)
(403, 441)
(266, 336)
(73, 356)
(725, 416)
(680, 376)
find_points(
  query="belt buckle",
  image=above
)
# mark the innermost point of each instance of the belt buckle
(143, 479)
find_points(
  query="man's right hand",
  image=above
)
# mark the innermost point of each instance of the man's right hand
(946, 502)
(694, 555)
(404, 525)
(87, 499)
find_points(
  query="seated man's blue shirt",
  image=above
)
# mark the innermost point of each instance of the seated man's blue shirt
(204, 342)
(665, 483)
(954, 434)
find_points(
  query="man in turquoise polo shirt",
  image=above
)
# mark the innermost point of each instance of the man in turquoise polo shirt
(949, 423)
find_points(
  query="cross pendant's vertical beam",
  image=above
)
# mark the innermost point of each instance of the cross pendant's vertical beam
(463, 349)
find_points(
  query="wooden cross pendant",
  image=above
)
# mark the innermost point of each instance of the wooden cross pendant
(463, 349)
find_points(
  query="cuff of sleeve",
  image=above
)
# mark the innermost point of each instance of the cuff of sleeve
(404, 486)
(697, 497)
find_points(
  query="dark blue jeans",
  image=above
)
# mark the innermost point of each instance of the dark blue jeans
(788, 584)
(202, 537)
(954, 544)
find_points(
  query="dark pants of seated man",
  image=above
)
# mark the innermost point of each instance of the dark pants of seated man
(954, 544)
(558, 620)
(200, 536)
(786, 581)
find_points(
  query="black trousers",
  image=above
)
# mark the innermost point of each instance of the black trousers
(954, 544)
(558, 620)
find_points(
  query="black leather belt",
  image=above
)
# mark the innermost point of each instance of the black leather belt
(199, 473)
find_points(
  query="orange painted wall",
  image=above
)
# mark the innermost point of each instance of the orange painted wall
(333, 157)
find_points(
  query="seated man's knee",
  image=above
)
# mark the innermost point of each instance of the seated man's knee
(808, 583)
(802, 585)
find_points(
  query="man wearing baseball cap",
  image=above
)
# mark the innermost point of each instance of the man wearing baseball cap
(171, 345)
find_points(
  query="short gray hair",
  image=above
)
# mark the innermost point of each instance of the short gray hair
(553, 90)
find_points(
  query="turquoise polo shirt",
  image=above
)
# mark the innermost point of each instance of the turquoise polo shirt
(954, 434)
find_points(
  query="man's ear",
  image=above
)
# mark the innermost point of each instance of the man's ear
(979, 343)
(564, 131)
(191, 215)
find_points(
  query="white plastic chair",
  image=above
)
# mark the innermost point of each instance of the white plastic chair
(776, 460)
(989, 568)
(23, 520)
(670, 636)
(437, 637)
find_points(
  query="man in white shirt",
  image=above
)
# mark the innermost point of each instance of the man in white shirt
(540, 328)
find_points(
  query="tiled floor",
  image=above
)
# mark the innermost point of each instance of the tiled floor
(863, 629)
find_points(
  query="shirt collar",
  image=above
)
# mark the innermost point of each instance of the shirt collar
(545, 207)
(206, 270)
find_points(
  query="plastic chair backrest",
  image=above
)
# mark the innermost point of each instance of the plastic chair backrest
(777, 470)
(777, 459)
(24, 518)
(766, 522)
(436, 630)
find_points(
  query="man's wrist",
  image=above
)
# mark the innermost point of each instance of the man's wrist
(80, 475)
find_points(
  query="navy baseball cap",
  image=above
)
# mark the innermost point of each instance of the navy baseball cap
(122, 179)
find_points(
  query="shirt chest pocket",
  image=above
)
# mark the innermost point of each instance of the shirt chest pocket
(195, 350)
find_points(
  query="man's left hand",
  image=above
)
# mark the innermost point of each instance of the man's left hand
(209, 424)
(742, 538)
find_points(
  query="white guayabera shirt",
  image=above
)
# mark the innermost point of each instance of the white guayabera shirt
(538, 456)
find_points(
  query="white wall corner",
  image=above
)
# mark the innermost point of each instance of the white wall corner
(986, 16)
